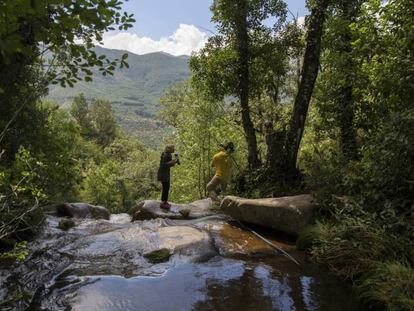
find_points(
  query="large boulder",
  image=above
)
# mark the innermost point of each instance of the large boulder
(232, 241)
(78, 210)
(286, 214)
(132, 249)
(150, 209)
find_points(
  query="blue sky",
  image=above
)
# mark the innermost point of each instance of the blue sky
(173, 26)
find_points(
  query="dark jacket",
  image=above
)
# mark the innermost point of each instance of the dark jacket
(164, 170)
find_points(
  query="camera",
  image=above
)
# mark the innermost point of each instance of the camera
(177, 158)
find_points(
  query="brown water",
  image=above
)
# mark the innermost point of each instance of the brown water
(219, 284)
(237, 272)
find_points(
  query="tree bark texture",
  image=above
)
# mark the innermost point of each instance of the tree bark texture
(244, 57)
(309, 74)
(345, 100)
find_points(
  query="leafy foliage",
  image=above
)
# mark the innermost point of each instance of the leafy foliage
(349, 248)
(246, 60)
(363, 102)
(200, 126)
(126, 175)
(389, 286)
(19, 252)
(368, 235)
(29, 28)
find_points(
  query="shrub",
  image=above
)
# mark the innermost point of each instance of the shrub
(348, 248)
(388, 286)
(316, 235)
(126, 174)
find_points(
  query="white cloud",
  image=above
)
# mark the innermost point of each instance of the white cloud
(186, 39)
(301, 21)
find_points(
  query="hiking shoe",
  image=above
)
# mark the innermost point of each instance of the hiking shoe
(165, 205)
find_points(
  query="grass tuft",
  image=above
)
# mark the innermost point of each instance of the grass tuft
(348, 248)
(315, 235)
(388, 286)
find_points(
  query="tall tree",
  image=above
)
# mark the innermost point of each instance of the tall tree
(224, 66)
(103, 121)
(340, 80)
(310, 69)
(347, 13)
(80, 112)
(242, 48)
(95, 119)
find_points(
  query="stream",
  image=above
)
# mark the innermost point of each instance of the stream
(213, 265)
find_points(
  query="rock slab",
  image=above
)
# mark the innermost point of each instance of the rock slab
(286, 214)
(150, 209)
(78, 210)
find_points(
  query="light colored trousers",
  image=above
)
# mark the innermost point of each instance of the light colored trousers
(212, 185)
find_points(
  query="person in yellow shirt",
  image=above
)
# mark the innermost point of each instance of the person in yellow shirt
(222, 164)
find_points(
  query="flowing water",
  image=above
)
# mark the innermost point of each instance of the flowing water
(98, 265)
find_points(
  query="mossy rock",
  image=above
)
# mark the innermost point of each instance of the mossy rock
(66, 224)
(99, 213)
(185, 212)
(216, 207)
(158, 256)
(7, 243)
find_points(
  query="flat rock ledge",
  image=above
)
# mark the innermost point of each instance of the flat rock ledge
(286, 214)
(77, 210)
(150, 209)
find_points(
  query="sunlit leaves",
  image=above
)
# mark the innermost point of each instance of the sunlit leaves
(67, 29)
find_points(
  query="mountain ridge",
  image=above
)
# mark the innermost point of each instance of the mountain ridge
(134, 91)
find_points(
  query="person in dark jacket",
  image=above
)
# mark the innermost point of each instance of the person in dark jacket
(166, 162)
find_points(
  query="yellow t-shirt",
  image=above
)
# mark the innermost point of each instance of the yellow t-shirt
(222, 163)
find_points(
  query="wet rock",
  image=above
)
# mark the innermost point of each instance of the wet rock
(151, 209)
(232, 241)
(66, 224)
(286, 214)
(78, 210)
(185, 213)
(124, 246)
(99, 247)
(101, 264)
(123, 218)
(158, 256)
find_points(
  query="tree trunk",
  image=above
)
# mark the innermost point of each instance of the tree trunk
(309, 74)
(347, 11)
(243, 51)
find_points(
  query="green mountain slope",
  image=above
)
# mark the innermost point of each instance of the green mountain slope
(134, 92)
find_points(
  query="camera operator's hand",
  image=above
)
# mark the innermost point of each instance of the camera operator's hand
(177, 159)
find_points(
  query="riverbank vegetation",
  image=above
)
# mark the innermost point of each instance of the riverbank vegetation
(325, 107)
(356, 154)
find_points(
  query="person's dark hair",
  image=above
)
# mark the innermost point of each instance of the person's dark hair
(229, 147)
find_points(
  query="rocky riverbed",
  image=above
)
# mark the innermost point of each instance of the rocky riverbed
(162, 264)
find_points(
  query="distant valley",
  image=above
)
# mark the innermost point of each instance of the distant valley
(134, 92)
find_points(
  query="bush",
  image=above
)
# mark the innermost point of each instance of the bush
(348, 248)
(42, 170)
(104, 186)
(388, 286)
(316, 235)
(126, 174)
(386, 170)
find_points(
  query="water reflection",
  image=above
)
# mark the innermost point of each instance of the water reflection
(278, 289)
(179, 289)
(306, 283)
(220, 284)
